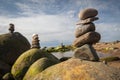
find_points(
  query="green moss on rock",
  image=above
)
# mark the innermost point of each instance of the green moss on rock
(109, 59)
(38, 67)
(23, 63)
(11, 46)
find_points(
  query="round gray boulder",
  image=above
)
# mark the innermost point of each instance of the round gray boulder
(12, 46)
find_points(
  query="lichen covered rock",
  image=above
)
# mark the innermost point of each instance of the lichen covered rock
(23, 63)
(11, 46)
(76, 69)
(37, 67)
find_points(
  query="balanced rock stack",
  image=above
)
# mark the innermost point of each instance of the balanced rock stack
(86, 36)
(35, 41)
(11, 28)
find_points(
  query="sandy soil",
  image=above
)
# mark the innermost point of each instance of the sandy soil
(112, 48)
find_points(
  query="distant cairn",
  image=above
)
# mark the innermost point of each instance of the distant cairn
(35, 41)
(11, 28)
(86, 36)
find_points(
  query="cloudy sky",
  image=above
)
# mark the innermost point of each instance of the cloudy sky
(54, 20)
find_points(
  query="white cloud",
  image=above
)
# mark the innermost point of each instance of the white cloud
(24, 9)
(30, 7)
(109, 32)
(48, 27)
(23, 6)
(98, 4)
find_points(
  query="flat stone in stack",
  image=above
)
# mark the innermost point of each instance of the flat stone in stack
(82, 29)
(89, 20)
(86, 36)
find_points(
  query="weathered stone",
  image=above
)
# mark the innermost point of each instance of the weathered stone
(76, 69)
(86, 52)
(82, 29)
(35, 44)
(88, 38)
(25, 60)
(88, 20)
(87, 13)
(37, 67)
(12, 46)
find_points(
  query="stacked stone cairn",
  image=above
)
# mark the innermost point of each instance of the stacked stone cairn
(11, 28)
(86, 36)
(35, 41)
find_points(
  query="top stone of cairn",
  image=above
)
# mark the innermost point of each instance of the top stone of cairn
(87, 13)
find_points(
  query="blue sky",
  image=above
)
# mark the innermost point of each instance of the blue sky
(55, 20)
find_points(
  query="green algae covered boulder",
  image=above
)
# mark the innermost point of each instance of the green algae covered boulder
(24, 61)
(37, 67)
(76, 69)
(11, 46)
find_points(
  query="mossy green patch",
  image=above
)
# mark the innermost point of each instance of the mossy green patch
(22, 64)
(64, 48)
(38, 67)
(109, 59)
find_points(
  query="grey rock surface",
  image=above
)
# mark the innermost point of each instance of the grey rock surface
(86, 52)
(87, 13)
(88, 20)
(82, 29)
(88, 38)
